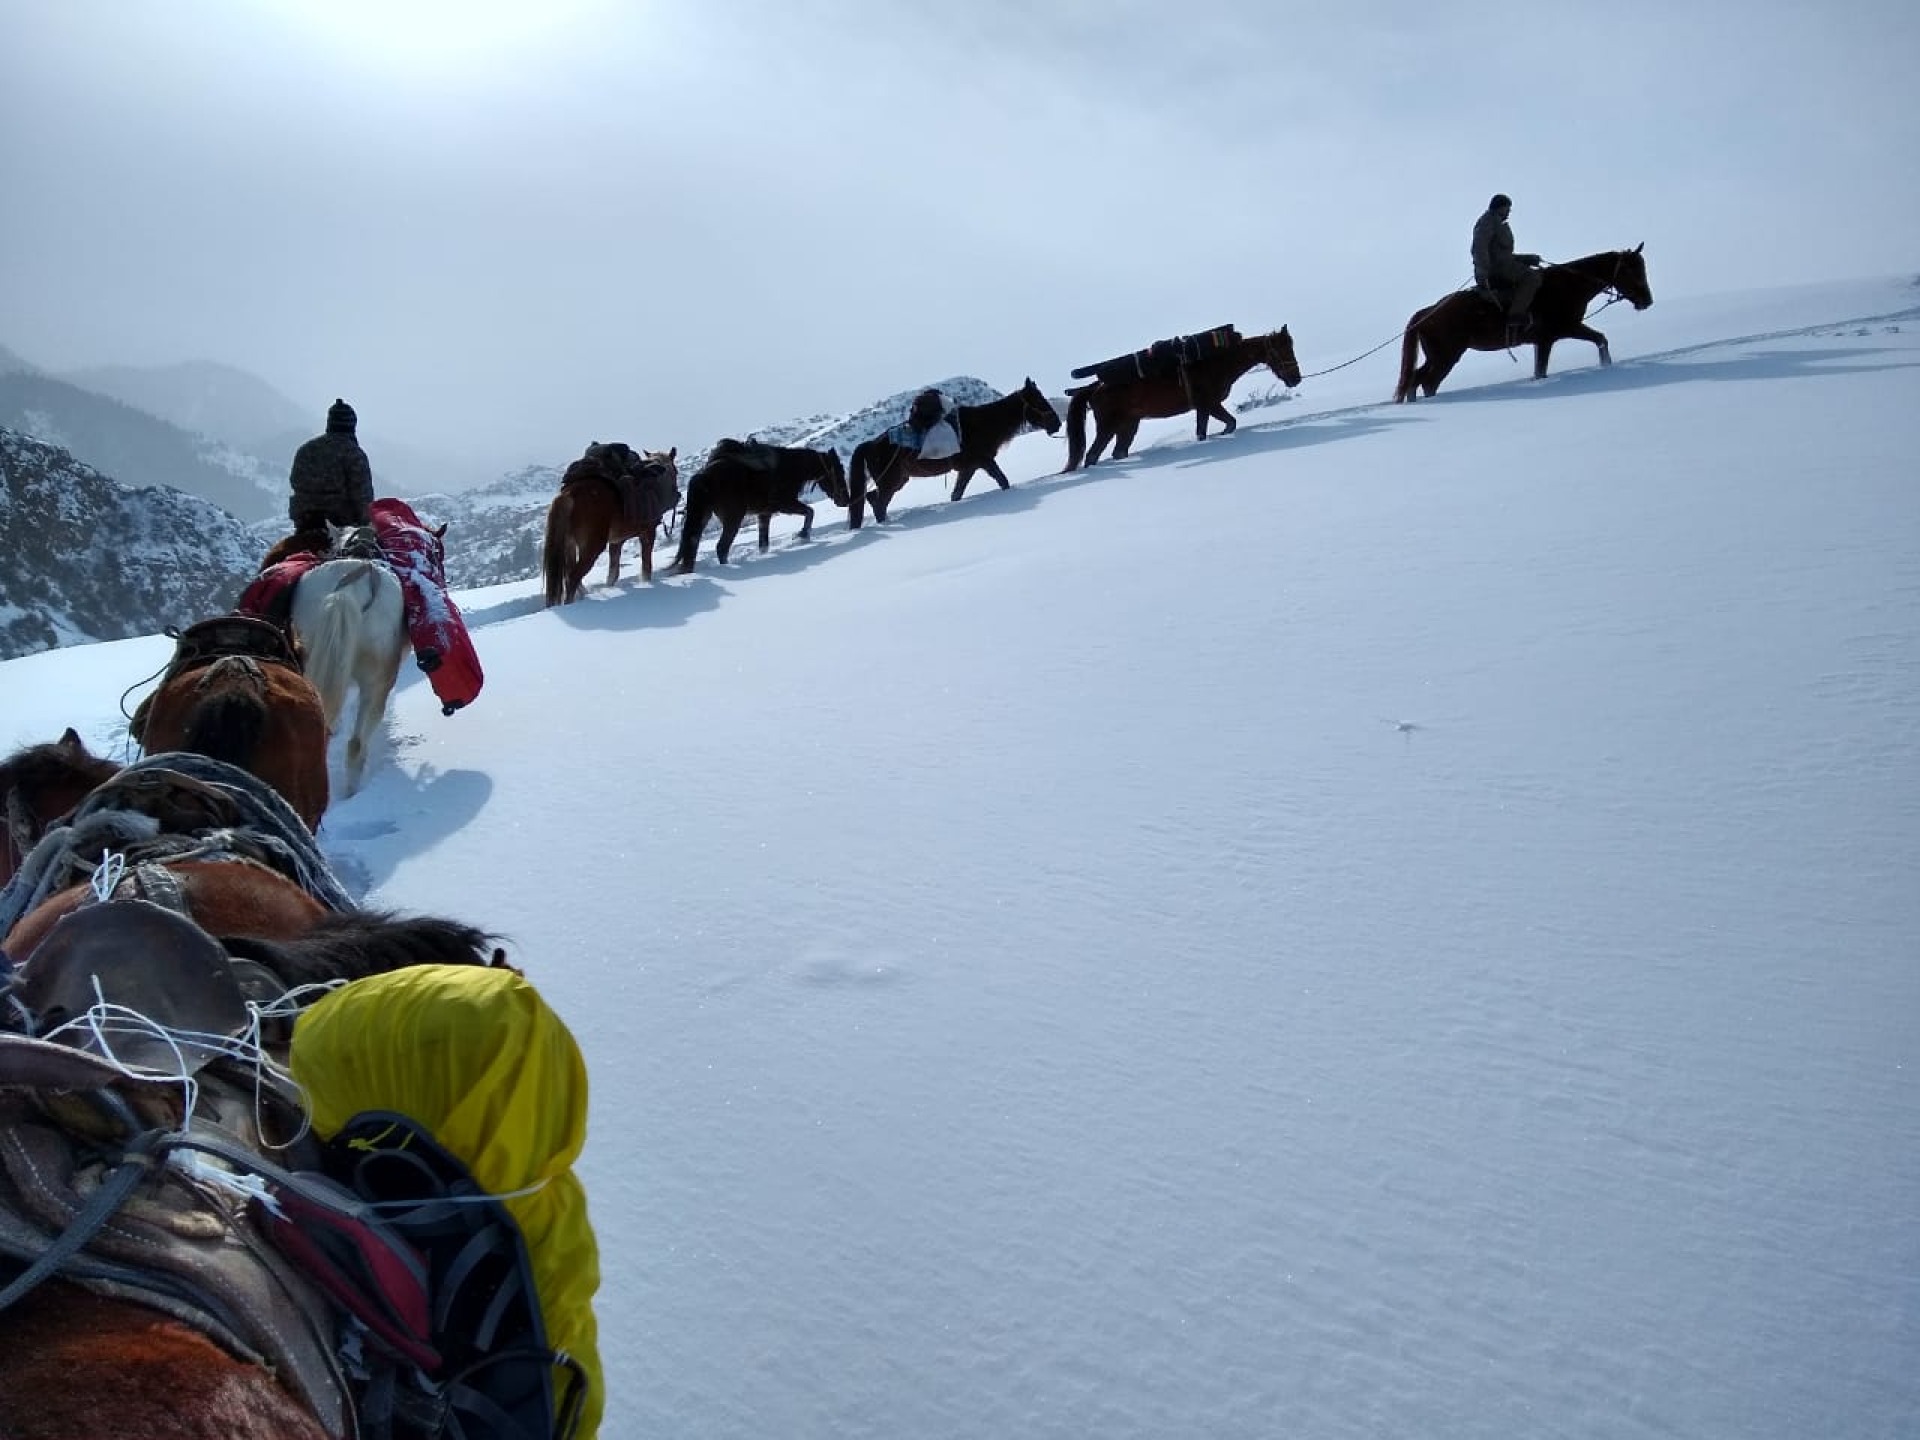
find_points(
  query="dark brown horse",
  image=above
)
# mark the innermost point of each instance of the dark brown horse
(39, 784)
(75, 1362)
(234, 691)
(1467, 320)
(591, 514)
(739, 480)
(984, 433)
(1202, 386)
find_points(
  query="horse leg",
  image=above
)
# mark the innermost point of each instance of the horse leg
(992, 467)
(1578, 332)
(766, 529)
(375, 690)
(583, 559)
(1439, 365)
(883, 492)
(1218, 410)
(615, 544)
(729, 527)
(1103, 433)
(966, 474)
(805, 511)
(1125, 431)
(646, 552)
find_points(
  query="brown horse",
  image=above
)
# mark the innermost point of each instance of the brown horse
(1202, 386)
(1467, 320)
(591, 514)
(39, 784)
(75, 1362)
(739, 480)
(234, 691)
(984, 433)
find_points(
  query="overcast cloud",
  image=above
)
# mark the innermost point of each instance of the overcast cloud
(506, 229)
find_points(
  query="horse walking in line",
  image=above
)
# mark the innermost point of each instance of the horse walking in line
(235, 691)
(1468, 320)
(594, 512)
(351, 617)
(1201, 386)
(743, 478)
(39, 784)
(984, 433)
(241, 1352)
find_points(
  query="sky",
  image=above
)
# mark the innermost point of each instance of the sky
(1397, 922)
(503, 230)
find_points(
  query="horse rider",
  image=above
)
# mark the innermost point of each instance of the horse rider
(1497, 270)
(331, 479)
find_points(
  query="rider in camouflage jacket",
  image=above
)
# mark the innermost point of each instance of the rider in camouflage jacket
(331, 479)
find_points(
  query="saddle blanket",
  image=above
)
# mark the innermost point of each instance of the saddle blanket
(940, 442)
(441, 646)
(270, 594)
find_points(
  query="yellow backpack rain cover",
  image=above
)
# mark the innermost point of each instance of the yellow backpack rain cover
(477, 1057)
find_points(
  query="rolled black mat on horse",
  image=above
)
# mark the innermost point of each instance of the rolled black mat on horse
(1162, 357)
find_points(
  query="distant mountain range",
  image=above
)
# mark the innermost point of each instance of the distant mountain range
(135, 447)
(86, 557)
(209, 429)
(83, 557)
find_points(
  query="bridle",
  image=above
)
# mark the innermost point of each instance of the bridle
(1609, 286)
(826, 460)
(1037, 412)
(1270, 356)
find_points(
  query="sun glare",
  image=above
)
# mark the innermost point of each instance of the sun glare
(435, 35)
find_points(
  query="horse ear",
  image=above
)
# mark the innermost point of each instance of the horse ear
(72, 741)
(674, 453)
(441, 533)
(1641, 246)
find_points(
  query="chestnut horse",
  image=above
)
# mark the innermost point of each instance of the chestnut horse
(739, 480)
(1467, 320)
(75, 1362)
(244, 701)
(590, 514)
(984, 433)
(39, 784)
(1201, 386)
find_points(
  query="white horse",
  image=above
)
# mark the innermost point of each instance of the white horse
(352, 618)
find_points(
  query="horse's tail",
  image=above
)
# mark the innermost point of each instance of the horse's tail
(228, 723)
(1077, 409)
(693, 524)
(331, 651)
(859, 472)
(1409, 354)
(556, 552)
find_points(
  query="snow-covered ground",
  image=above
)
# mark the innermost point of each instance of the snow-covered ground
(1400, 922)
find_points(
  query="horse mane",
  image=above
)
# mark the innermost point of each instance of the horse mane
(35, 767)
(353, 944)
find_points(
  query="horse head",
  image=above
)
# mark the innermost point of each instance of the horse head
(833, 477)
(1276, 353)
(1630, 277)
(352, 542)
(1037, 410)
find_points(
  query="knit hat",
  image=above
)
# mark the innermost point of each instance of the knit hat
(340, 418)
(1500, 202)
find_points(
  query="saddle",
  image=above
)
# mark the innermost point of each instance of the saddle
(141, 957)
(1163, 357)
(89, 1118)
(237, 633)
(747, 454)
